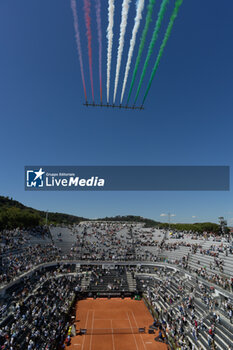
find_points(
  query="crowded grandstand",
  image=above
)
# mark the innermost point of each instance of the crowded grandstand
(115, 285)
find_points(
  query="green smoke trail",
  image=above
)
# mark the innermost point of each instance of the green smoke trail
(142, 43)
(158, 24)
(166, 37)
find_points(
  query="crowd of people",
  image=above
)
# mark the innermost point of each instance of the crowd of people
(108, 242)
(108, 279)
(223, 281)
(15, 240)
(14, 265)
(104, 242)
(39, 315)
(177, 315)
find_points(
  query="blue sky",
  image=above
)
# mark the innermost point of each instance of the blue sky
(187, 120)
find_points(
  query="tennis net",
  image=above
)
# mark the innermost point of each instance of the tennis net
(102, 331)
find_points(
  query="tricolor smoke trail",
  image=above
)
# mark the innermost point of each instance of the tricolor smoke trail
(142, 44)
(124, 17)
(78, 42)
(87, 10)
(98, 19)
(162, 47)
(111, 9)
(139, 9)
(152, 43)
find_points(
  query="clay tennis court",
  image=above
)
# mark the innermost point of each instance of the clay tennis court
(112, 316)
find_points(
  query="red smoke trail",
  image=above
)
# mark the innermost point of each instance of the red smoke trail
(87, 9)
(98, 18)
(78, 42)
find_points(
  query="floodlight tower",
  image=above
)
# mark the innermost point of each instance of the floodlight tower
(169, 221)
(222, 224)
(169, 224)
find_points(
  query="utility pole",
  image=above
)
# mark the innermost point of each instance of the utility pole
(46, 225)
(46, 218)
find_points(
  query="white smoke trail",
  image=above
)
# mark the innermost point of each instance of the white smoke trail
(139, 9)
(111, 9)
(124, 17)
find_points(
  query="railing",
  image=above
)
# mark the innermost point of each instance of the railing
(155, 315)
(116, 262)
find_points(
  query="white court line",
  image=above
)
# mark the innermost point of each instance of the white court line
(137, 327)
(113, 344)
(92, 327)
(86, 328)
(109, 319)
(132, 331)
